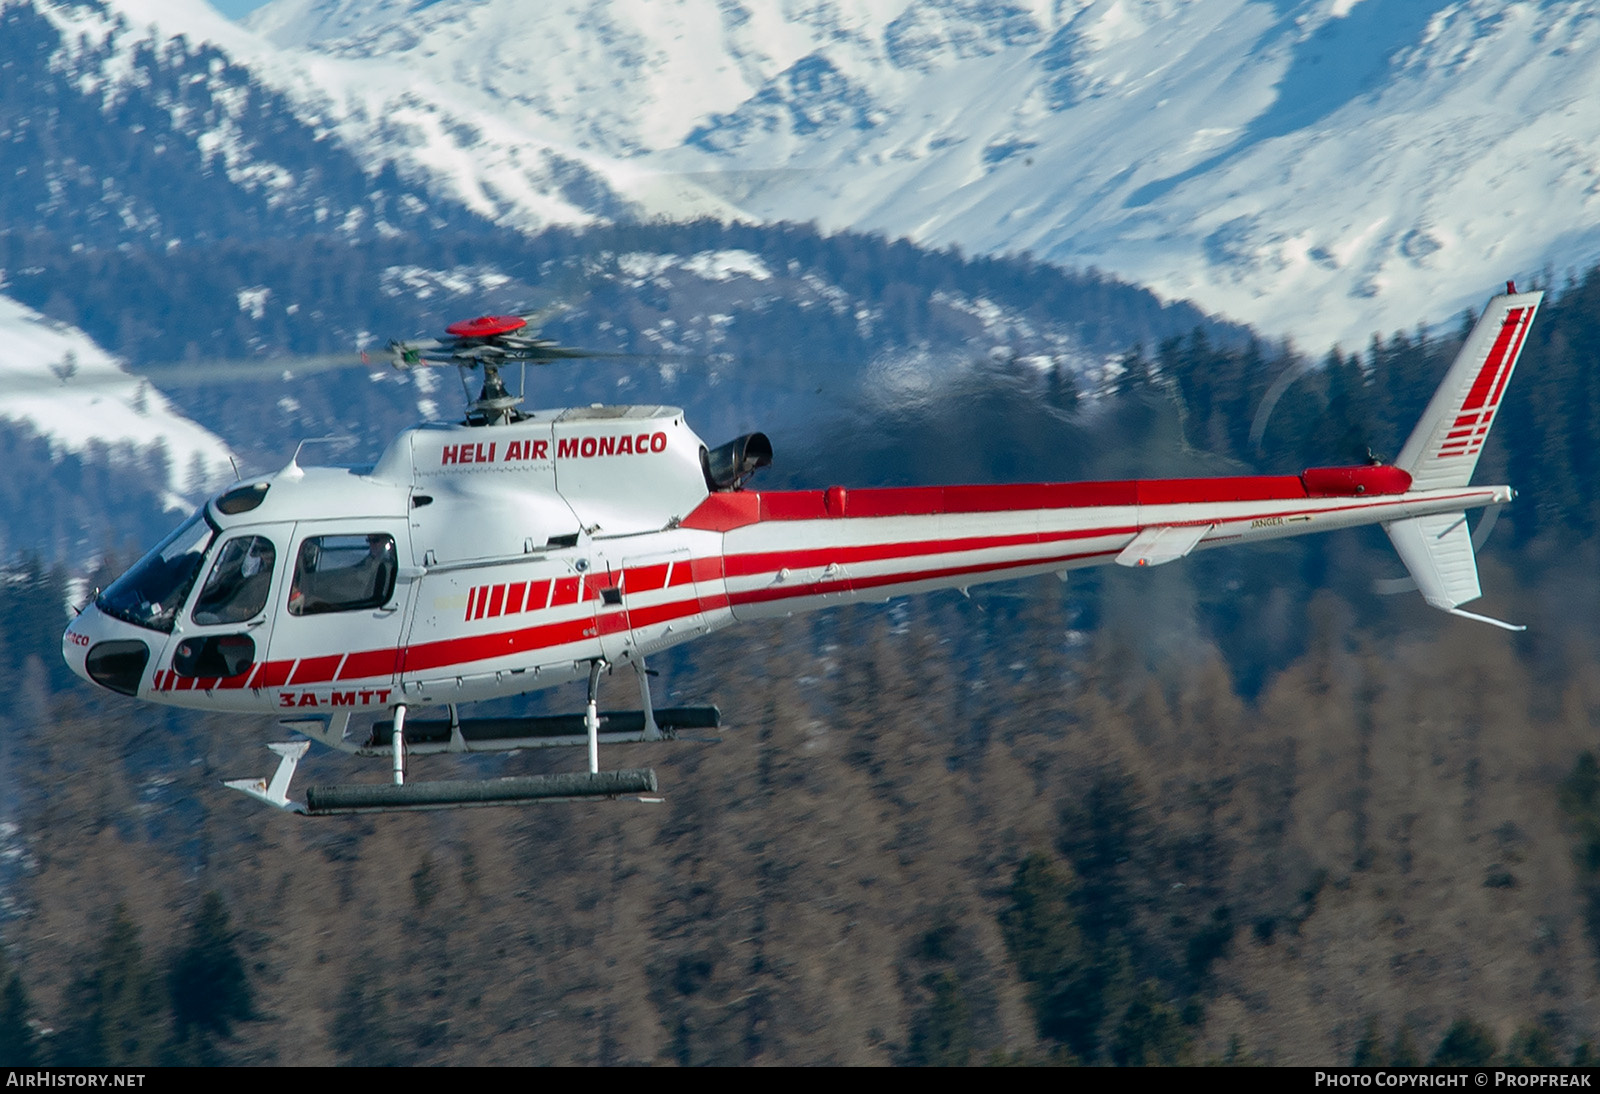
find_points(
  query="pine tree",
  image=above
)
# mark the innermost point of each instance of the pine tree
(1465, 1044)
(19, 1047)
(1532, 1046)
(121, 1002)
(1403, 1050)
(1041, 931)
(209, 989)
(1150, 1033)
(362, 1031)
(1367, 1053)
(942, 1036)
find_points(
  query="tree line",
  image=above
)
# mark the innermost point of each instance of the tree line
(128, 1010)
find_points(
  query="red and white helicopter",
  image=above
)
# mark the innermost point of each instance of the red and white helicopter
(516, 551)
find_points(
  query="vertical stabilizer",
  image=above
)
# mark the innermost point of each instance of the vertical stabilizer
(1442, 452)
(1443, 449)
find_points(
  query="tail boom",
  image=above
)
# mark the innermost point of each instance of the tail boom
(796, 552)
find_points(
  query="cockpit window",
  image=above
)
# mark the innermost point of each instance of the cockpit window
(150, 594)
(342, 574)
(236, 589)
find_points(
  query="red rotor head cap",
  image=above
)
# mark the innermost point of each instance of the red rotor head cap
(486, 326)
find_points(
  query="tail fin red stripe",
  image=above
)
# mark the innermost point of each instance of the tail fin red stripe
(1516, 350)
(1497, 357)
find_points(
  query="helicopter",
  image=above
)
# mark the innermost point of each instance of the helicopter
(516, 550)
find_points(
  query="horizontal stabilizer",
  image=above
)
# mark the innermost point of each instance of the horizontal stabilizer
(1437, 550)
(1162, 543)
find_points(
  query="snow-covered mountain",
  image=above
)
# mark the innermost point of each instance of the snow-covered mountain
(1323, 167)
(117, 134)
(56, 380)
(1326, 168)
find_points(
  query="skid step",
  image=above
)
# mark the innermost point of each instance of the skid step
(426, 731)
(454, 794)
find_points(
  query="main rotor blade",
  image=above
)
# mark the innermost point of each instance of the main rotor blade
(55, 378)
(564, 353)
(251, 369)
(538, 317)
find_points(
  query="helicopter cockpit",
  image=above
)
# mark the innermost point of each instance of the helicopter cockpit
(150, 594)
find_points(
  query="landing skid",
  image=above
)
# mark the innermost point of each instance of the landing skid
(402, 737)
(431, 736)
(325, 801)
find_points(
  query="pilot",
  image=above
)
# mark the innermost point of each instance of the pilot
(379, 566)
(305, 568)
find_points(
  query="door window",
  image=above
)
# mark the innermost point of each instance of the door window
(236, 589)
(342, 574)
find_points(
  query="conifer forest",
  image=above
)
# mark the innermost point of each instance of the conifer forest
(1241, 809)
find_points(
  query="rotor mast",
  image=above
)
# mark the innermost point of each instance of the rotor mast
(486, 343)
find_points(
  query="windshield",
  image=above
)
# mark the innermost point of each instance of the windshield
(150, 594)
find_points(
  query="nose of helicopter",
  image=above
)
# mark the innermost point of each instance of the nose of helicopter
(106, 651)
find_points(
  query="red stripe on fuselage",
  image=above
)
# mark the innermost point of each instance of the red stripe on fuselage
(725, 512)
(567, 591)
(538, 595)
(745, 565)
(274, 674)
(448, 652)
(644, 579)
(316, 670)
(369, 664)
(237, 681)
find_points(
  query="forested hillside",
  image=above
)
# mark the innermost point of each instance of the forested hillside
(746, 327)
(1239, 808)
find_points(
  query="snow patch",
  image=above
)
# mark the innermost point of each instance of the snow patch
(253, 302)
(724, 265)
(423, 283)
(54, 378)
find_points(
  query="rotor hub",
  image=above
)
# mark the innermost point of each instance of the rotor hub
(488, 342)
(486, 326)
